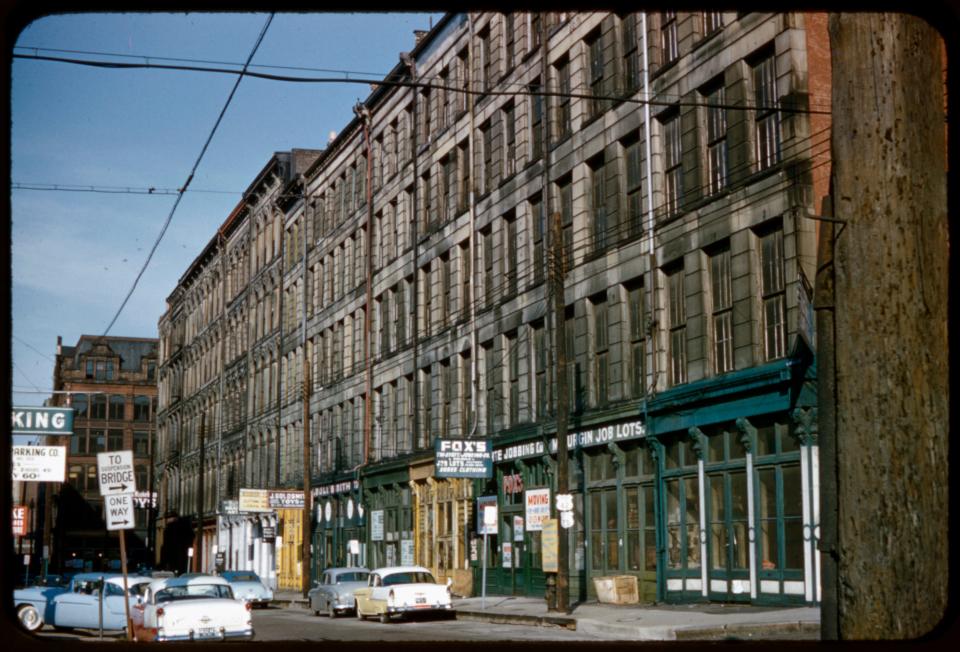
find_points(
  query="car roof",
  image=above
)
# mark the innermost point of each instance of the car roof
(390, 570)
(231, 573)
(162, 583)
(347, 569)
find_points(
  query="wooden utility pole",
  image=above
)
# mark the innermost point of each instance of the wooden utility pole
(557, 273)
(891, 348)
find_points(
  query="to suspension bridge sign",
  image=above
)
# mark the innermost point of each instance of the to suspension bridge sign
(115, 471)
(42, 421)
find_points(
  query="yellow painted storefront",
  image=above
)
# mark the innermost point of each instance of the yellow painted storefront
(443, 508)
(291, 549)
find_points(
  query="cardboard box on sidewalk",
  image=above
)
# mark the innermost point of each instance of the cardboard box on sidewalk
(617, 589)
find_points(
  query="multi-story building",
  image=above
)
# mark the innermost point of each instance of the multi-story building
(672, 164)
(111, 384)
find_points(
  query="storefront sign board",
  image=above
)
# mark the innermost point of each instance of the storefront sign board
(42, 421)
(538, 508)
(285, 499)
(39, 463)
(462, 458)
(376, 525)
(550, 545)
(254, 500)
(482, 503)
(20, 519)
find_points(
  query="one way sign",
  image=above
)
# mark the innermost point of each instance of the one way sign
(119, 511)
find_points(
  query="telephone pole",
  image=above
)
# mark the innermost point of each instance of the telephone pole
(891, 260)
(557, 274)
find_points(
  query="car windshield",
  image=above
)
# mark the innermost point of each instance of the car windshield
(414, 577)
(194, 591)
(356, 576)
(242, 577)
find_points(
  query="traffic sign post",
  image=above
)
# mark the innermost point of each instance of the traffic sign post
(115, 472)
(117, 486)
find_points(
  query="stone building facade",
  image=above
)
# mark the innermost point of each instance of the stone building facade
(409, 265)
(111, 384)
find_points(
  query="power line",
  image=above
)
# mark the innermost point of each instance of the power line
(29, 346)
(114, 190)
(373, 81)
(193, 171)
(147, 58)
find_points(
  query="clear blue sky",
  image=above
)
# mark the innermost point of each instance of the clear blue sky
(75, 254)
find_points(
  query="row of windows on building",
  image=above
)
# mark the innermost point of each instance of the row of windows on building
(90, 441)
(112, 407)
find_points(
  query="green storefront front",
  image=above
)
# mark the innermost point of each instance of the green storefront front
(338, 519)
(707, 492)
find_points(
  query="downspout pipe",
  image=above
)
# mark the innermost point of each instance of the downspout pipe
(472, 307)
(411, 64)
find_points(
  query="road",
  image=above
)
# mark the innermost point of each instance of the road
(297, 624)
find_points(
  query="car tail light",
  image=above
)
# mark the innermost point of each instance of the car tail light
(159, 612)
(247, 605)
(391, 598)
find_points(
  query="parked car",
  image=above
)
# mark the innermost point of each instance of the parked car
(201, 607)
(333, 593)
(399, 590)
(248, 586)
(78, 604)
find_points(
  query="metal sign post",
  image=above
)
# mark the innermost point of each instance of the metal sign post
(126, 597)
(100, 605)
(489, 520)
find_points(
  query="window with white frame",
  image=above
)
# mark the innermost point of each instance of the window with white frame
(677, 315)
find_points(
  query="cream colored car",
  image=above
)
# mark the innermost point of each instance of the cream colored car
(399, 590)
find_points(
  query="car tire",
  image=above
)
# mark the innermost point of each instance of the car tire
(356, 609)
(29, 618)
(384, 618)
(331, 612)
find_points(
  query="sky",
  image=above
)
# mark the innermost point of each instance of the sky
(75, 255)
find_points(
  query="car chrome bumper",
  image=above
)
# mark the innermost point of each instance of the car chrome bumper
(412, 609)
(246, 634)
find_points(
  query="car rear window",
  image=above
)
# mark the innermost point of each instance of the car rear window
(353, 577)
(242, 577)
(417, 577)
(193, 592)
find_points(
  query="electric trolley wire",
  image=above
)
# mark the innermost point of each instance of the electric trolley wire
(113, 190)
(193, 171)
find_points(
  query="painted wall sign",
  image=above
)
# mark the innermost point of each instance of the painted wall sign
(42, 421)
(269, 533)
(406, 552)
(254, 500)
(39, 463)
(537, 503)
(462, 458)
(513, 483)
(583, 439)
(285, 499)
(337, 488)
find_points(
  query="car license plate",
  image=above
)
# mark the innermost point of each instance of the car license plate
(421, 600)
(206, 632)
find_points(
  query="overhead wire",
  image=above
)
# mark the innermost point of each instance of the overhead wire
(114, 190)
(193, 171)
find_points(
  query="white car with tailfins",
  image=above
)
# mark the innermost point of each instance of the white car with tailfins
(400, 590)
(194, 608)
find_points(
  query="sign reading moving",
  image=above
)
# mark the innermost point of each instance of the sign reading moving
(463, 458)
(42, 421)
(115, 471)
(39, 463)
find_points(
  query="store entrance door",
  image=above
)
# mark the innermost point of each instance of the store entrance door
(728, 570)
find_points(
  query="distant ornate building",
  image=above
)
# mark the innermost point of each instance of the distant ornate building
(111, 384)
(683, 155)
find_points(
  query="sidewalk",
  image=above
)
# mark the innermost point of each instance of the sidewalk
(710, 621)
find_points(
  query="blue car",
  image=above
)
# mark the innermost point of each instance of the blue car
(78, 604)
(248, 587)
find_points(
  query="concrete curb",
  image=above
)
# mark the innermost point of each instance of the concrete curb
(751, 631)
(516, 619)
